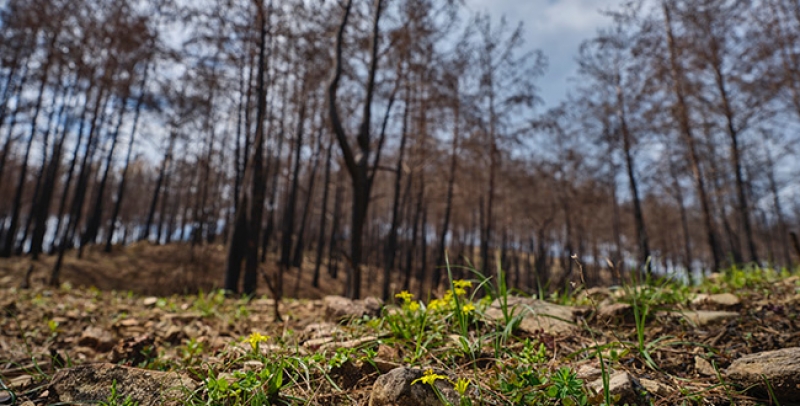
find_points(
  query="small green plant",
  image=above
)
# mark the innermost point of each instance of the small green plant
(209, 304)
(190, 351)
(520, 385)
(566, 388)
(114, 398)
(532, 354)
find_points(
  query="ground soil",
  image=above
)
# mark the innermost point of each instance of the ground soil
(145, 289)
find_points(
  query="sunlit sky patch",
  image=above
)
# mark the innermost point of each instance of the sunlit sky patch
(557, 27)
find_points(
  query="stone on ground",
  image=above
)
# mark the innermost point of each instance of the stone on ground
(616, 314)
(704, 317)
(97, 339)
(395, 389)
(717, 301)
(781, 368)
(622, 385)
(91, 383)
(339, 308)
(538, 315)
(703, 367)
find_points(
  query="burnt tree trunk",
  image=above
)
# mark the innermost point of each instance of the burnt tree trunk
(123, 178)
(357, 165)
(681, 113)
(323, 216)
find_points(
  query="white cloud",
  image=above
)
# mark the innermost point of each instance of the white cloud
(557, 27)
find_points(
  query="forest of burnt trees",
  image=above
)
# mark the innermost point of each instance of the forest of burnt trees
(393, 134)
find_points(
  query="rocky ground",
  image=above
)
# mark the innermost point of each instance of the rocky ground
(732, 340)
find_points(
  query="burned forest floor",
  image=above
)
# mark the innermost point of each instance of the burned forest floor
(116, 333)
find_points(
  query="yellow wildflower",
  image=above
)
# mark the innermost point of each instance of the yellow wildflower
(413, 306)
(448, 296)
(468, 308)
(461, 386)
(429, 378)
(405, 296)
(461, 283)
(460, 291)
(436, 304)
(256, 338)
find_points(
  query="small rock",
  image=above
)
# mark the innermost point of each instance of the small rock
(340, 308)
(315, 343)
(317, 330)
(704, 317)
(348, 344)
(20, 382)
(538, 315)
(703, 367)
(781, 368)
(174, 334)
(150, 301)
(395, 389)
(718, 301)
(616, 314)
(92, 383)
(128, 323)
(386, 352)
(589, 372)
(96, 339)
(597, 293)
(253, 365)
(134, 350)
(621, 384)
(655, 387)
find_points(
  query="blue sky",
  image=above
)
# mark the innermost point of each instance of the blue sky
(557, 27)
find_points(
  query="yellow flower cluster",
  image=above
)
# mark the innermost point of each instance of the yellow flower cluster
(256, 338)
(405, 296)
(459, 289)
(429, 378)
(408, 303)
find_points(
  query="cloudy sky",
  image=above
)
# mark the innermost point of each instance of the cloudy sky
(557, 27)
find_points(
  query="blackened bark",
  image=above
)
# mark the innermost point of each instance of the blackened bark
(11, 231)
(83, 180)
(448, 208)
(49, 184)
(333, 249)
(273, 194)
(638, 216)
(776, 203)
(39, 193)
(735, 155)
(687, 242)
(391, 244)
(357, 166)
(12, 121)
(145, 233)
(123, 178)
(290, 208)
(681, 113)
(70, 173)
(257, 175)
(96, 216)
(323, 216)
(297, 258)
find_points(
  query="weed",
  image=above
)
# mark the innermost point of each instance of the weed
(566, 388)
(113, 398)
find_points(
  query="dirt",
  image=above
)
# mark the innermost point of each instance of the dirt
(135, 307)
